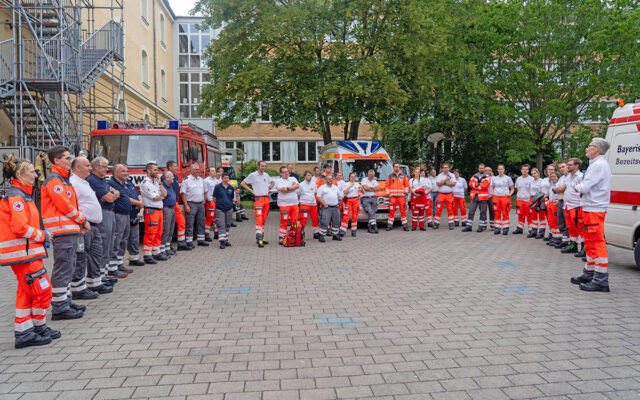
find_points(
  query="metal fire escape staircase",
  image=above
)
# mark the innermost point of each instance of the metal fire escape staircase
(46, 69)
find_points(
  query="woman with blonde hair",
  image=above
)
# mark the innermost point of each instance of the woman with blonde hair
(22, 246)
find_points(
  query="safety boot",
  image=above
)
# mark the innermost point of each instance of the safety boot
(540, 234)
(532, 233)
(496, 231)
(183, 247)
(191, 245)
(336, 237)
(207, 238)
(430, 224)
(389, 227)
(548, 237)
(576, 280)
(451, 226)
(136, 263)
(233, 225)
(413, 228)
(102, 289)
(436, 226)
(85, 294)
(149, 260)
(44, 330)
(238, 218)
(505, 231)
(353, 233)
(321, 239)
(244, 217)
(481, 228)
(518, 231)
(160, 257)
(456, 224)
(78, 307)
(317, 235)
(467, 228)
(222, 244)
(571, 248)
(116, 274)
(67, 314)
(423, 228)
(32, 340)
(593, 287)
(260, 244)
(561, 244)
(375, 229)
(341, 234)
(369, 229)
(215, 235)
(124, 269)
(405, 227)
(202, 243)
(581, 252)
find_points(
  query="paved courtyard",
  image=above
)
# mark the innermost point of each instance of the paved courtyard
(399, 315)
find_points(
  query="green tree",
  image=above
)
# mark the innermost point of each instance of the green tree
(315, 63)
(551, 64)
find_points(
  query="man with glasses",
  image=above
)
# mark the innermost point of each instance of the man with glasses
(107, 195)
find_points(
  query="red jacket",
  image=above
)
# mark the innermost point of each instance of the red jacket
(479, 185)
(60, 213)
(397, 185)
(21, 240)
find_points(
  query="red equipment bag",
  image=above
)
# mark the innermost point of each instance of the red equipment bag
(295, 235)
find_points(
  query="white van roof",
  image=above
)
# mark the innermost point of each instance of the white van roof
(629, 113)
(364, 148)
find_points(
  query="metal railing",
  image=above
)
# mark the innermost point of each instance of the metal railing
(50, 61)
(7, 67)
(108, 41)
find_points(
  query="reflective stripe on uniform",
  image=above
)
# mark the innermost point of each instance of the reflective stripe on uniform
(23, 312)
(11, 243)
(23, 326)
(35, 251)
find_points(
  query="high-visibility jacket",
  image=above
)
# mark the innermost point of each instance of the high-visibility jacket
(479, 185)
(21, 240)
(397, 185)
(60, 213)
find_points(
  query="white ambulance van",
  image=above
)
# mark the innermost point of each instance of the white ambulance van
(622, 223)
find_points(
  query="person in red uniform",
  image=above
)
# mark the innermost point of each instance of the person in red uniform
(351, 208)
(397, 187)
(260, 183)
(445, 182)
(60, 216)
(22, 247)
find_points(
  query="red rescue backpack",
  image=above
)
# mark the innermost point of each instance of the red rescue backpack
(295, 235)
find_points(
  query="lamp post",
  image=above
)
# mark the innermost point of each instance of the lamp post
(435, 138)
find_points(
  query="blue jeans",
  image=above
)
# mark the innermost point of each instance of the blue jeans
(434, 196)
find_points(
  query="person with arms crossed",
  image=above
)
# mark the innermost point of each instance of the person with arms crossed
(122, 210)
(224, 194)
(168, 214)
(152, 194)
(351, 208)
(370, 200)
(181, 222)
(523, 198)
(330, 197)
(397, 187)
(420, 188)
(287, 200)
(572, 210)
(192, 193)
(308, 203)
(445, 182)
(260, 183)
(459, 202)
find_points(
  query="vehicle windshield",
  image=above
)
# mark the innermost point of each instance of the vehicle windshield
(360, 167)
(231, 172)
(135, 150)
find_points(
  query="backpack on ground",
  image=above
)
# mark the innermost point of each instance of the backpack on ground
(295, 235)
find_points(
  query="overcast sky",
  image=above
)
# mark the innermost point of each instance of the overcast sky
(182, 7)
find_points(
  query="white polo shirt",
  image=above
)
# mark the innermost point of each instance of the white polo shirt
(434, 187)
(353, 192)
(420, 183)
(571, 195)
(193, 187)
(148, 190)
(307, 192)
(460, 187)
(444, 188)
(288, 198)
(368, 182)
(501, 185)
(210, 184)
(524, 187)
(331, 195)
(259, 183)
(87, 200)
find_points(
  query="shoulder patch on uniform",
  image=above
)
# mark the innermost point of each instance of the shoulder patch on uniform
(57, 189)
(69, 193)
(18, 206)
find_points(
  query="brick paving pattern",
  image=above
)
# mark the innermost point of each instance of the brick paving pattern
(399, 315)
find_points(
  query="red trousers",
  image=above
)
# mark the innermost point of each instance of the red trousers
(32, 300)
(287, 214)
(418, 206)
(594, 244)
(428, 208)
(152, 231)
(181, 224)
(524, 213)
(210, 216)
(261, 211)
(501, 207)
(350, 210)
(307, 211)
(552, 219)
(397, 202)
(444, 200)
(459, 204)
(538, 219)
(573, 218)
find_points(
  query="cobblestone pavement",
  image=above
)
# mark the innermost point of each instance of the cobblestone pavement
(399, 315)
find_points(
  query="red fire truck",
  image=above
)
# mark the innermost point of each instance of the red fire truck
(138, 143)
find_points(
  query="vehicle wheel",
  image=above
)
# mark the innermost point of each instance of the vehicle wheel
(636, 253)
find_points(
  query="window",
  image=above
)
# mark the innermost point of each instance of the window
(307, 152)
(234, 145)
(190, 89)
(162, 31)
(163, 85)
(122, 110)
(264, 112)
(184, 146)
(145, 69)
(135, 150)
(144, 11)
(271, 151)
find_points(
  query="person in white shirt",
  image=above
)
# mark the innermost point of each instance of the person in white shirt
(308, 204)
(89, 255)
(260, 183)
(420, 199)
(369, 199)
(596, 196)
(445, 182)
(572, 209)
(500, 191)
(351, 206)
(210, 183)
(459, 202)
(287, 188)
(544, 186)
(523, 197)
(552, 210)
(492, 214)
(559, 190)
(152, 193)
(330, 197)
(192, 193)
(316, 176)
(434, 196)
(538, 218)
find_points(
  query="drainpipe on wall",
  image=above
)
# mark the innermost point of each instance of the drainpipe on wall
(155, 72)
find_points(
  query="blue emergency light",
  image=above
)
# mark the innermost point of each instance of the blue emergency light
(102, 125)
(174, 124)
